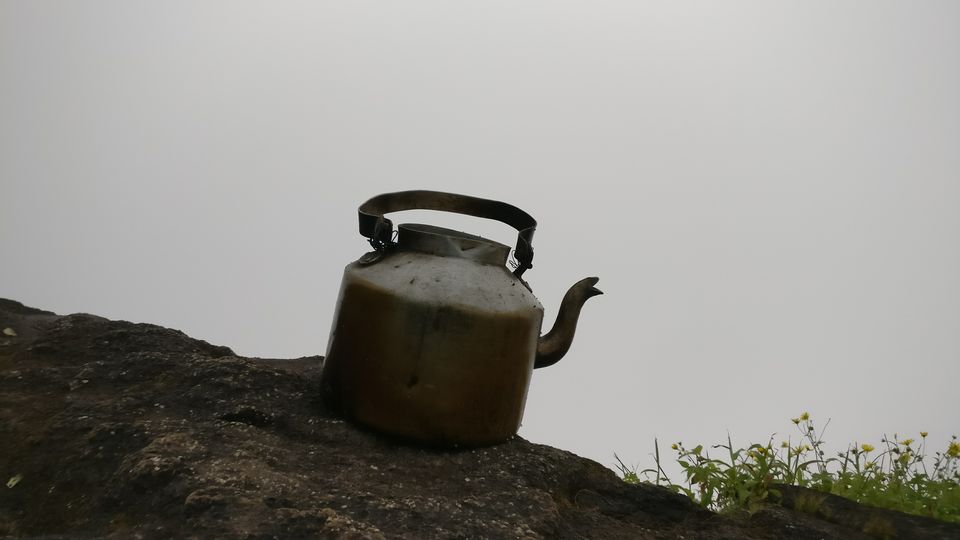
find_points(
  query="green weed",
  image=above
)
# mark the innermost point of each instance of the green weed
(899, 475)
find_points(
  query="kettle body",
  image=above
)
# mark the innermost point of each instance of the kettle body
(434, 339)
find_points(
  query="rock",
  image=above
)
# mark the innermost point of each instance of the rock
(875, 522)
(123, 430)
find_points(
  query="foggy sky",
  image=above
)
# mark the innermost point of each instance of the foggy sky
(768, 191)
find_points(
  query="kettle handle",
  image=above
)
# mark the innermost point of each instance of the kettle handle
(379, 230)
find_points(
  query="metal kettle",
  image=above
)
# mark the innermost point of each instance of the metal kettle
(434, 339)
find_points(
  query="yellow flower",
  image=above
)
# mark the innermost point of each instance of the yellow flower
(954, 449)
(674, 446)
(906, 442)
(805, 416)
(784, 444)
(867, 447)
(924, 434)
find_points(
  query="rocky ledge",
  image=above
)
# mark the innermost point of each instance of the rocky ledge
(111, 429)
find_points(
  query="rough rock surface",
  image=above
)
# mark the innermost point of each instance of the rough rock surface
(121, 430)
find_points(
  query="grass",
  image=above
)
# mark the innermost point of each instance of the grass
(898, 475)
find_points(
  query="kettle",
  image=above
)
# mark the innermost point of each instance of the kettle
(434, 339)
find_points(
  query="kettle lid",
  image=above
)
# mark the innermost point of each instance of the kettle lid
(450, 243)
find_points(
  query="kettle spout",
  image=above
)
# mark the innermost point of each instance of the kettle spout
(556, 342)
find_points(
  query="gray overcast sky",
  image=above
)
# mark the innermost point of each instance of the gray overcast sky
(768, 191)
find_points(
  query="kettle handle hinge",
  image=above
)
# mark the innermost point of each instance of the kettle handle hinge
(383, 240)
(383, 235)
